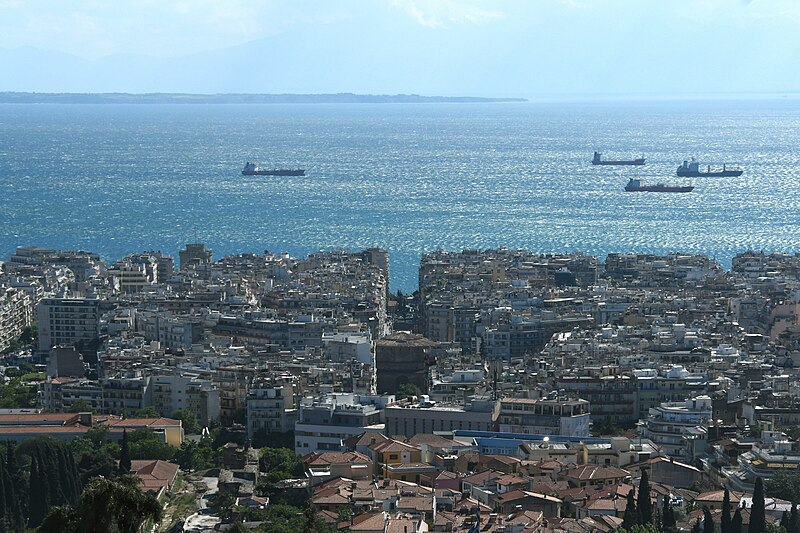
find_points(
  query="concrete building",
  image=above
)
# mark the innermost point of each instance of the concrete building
(402, 358)
(544, 416)
(126, 393)
(324, 424)
(479, 414)
(678, 428)
(174, 392)
(65, 322)
(16, 313)
(271, 405)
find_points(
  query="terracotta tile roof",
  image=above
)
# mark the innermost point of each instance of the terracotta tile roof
(143, 422)
(329, 458)
(369, 522)
(590, 472)
(155, 475)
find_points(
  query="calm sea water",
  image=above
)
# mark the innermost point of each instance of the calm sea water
(412, 178)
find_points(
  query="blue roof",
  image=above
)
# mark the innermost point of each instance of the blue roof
(498, 437)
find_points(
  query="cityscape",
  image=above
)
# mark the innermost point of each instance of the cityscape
(513, 391)
(400, 266)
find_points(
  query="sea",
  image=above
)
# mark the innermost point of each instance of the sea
(412, 178)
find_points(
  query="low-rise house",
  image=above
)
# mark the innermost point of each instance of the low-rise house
(517, 500)
(155, 476)
(322, 466)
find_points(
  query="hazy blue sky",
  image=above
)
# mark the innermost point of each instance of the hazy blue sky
(449, 47)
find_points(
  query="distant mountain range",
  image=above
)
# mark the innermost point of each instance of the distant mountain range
(182, 98)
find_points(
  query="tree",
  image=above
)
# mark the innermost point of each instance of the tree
(125, 454)
(668, 521)
(631, 516)
(188, 420)
(224, 502)
(708, 521)
(736, 522)
(145, 444)
(775, 528)
(758, 519)
(80, 406)
(725, 520)
(106, 506)
(644, 502)
(147, 412)
(38, 494)
(696, 527)
(783, 486)
(407, 390)
(794, 520)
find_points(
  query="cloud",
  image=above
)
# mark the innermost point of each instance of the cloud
(441, 13)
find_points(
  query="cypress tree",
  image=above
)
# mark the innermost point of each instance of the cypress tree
(725, 521)
(785, 520)
(758, 519)
(6, 498)
(125, 454)
(644, 503)
(708, 521)
(631, 516)
(17, 520)
(668, 521)
(39, 493)
(696, 527)
(736, 522)
(49, 457)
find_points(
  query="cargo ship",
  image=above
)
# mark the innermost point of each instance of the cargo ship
(597, 160)
(691, 169)
(636, 185)
(252, 169)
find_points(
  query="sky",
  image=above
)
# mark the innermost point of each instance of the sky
(517, 48)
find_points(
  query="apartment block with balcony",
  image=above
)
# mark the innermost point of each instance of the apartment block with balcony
(173, 392)
(544, 416)
(271, 405)
(324, 423)
(679, 428)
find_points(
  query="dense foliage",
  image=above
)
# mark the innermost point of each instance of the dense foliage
(783, 486)
(105, 506)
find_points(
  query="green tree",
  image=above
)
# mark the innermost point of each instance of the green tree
(631, 515)
(188, 420)
(783, 486)
(708, 521)
(736, 521)
(80, 406)
(106, 506)
(147, 412)
(645, 504)
(725, 520)
(196, 455)
(697, 528)
(758, 519)
(224, 502)
(38, 496)
(794, 519)
(407, 390)
(146, 444)
(668, 521)
(125, 454)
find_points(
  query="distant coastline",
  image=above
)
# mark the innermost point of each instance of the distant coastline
(184, 98)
